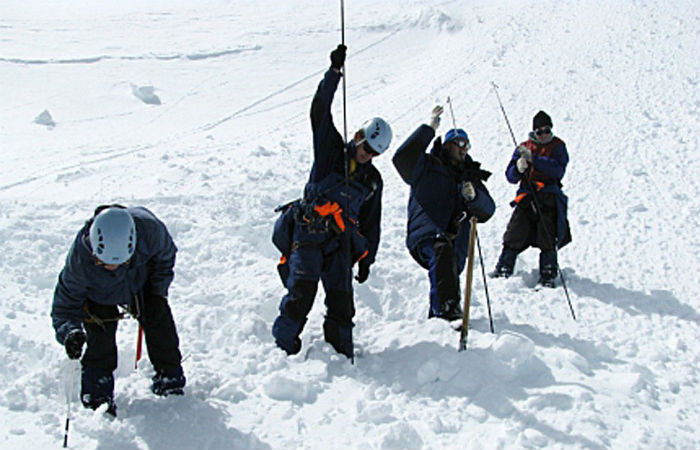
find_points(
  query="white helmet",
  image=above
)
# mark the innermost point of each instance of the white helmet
(377, 134)
(113, 236)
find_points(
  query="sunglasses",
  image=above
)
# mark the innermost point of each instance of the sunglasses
(369, 149)
(462, 144)
(544, 130)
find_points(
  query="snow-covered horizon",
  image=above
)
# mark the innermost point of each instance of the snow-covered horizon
(199, 111)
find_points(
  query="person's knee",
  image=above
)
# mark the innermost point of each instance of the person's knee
(155, 309)
(298, 304)
(340, 305)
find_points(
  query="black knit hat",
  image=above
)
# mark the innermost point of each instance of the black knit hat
(541, 119)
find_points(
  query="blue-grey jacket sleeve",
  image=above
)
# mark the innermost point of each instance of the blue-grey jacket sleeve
(162, 250)
(370, 222)
(328, 143)
(409, 154)
(69, 296)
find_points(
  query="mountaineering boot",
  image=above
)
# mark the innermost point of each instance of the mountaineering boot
(165, 384)
(506, 262)
(548, 269)
(339, 335)
(548, 275)
(97, 388)
(449, 310)
(502, 272)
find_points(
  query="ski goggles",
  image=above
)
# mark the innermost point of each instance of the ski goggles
(542, 131)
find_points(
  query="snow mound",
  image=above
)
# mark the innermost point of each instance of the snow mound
(434, 18)
(146, 94)
(513, 350)
(284, 388)
(45, 119)
(401, 435)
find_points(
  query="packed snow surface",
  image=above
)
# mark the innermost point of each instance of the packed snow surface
(199, 111)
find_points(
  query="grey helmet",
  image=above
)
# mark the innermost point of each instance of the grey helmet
(377, 134)
(113, 236)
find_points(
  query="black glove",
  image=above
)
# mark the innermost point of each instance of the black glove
(338, 57)
(74, 343)
(362, 272)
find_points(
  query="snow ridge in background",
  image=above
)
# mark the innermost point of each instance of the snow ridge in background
(230, 140)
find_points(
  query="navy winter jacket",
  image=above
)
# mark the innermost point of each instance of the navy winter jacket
(151, 268)
(327, 178)
(436, 203)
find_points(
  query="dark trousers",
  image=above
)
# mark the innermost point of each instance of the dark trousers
(100, 357)
(527, 228)
(443, 271)
(328, 261)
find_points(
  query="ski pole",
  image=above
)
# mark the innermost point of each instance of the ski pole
(452, 113)
(346, 237)
(69, 400)
(345, 117)
(468, 286)
(486, 286)
(478, 243)
(536, 203)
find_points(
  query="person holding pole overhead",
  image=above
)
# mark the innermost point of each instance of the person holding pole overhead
(447, 190)
(334, 226)
(539, 218)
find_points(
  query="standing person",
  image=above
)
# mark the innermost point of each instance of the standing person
(335, 224)
(447, 189)
(121, 257)
(538, 163)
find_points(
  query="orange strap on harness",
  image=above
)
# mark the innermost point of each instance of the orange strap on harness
(538, 185)
(334, 209)
(520, 196)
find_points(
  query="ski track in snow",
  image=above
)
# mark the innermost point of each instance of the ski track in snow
(231, 141)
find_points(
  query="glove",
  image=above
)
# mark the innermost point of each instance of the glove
(362, 273)
(522, 164)
(74, 344)
(435, 117)
(338, 57)
(525, 153)
(468, 191)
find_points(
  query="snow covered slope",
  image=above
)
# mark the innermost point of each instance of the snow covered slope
(228, 139)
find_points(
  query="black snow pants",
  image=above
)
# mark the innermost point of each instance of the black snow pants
(158, 325)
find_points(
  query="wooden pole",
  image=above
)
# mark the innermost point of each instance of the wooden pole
(468, 286)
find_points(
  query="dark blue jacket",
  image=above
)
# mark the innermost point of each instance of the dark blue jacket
(363, 196)
(150, 267)
(549, 161)
(436, 203)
